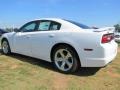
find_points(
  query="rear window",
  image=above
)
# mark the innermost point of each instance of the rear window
(79, 24)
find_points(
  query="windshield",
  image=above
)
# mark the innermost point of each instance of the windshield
(79, 24)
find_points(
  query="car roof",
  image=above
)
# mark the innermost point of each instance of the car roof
(65, 24)
(51, 19)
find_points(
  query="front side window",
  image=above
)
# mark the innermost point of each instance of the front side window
(29, 27)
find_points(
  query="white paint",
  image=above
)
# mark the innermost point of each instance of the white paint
(39, 44)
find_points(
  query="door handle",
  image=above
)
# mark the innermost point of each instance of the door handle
(51, 35)
(28, 36)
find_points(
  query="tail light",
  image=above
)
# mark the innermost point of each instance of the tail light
(107, 38)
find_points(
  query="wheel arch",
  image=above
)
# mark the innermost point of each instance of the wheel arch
(4, 38)
(58, 44)
(9, 49)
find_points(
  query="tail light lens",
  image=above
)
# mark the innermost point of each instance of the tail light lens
(107, 38)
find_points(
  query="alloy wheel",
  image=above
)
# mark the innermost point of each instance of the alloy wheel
(63, 59)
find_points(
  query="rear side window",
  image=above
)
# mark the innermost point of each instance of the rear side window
(48, 26)
(44, 26)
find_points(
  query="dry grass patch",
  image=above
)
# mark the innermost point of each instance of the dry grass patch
(19, 72)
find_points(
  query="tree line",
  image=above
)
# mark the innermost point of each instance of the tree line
(117, 27)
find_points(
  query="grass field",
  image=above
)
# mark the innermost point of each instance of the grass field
(19, 72)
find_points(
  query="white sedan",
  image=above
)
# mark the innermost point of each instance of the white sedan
(117, 37)
(68, 44)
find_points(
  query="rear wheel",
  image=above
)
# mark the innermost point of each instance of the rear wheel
(65, 59)
(5, 47)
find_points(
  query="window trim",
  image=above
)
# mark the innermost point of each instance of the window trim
(52, 22)
(49, 26)
(43, 21)
(37, 25)
(35, 29)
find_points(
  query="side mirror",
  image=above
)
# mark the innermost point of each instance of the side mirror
(16, 30)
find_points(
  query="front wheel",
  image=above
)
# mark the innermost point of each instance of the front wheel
(65, 59)
(5, 47)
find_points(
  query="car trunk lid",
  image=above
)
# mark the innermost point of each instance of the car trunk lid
(107, 34)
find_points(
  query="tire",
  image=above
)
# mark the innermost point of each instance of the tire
(65, 59)
(5, 47)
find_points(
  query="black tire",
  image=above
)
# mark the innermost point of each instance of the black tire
(76, 62)
(3, 47)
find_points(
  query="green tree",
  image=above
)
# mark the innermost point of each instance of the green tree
(117, 27)
(9, 29)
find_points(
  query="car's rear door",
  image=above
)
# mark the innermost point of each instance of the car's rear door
(44, 38)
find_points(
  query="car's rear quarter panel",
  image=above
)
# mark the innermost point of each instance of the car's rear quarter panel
(98, 52)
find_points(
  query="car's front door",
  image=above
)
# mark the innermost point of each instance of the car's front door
(22, 43)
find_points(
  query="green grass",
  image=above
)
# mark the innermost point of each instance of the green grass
(18, 72)
(119, 44)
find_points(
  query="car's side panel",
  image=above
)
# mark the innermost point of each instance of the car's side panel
(9, 37)
(87, 43)
(86, 40)
(43, 41)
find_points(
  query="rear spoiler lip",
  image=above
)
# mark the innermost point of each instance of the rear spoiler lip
(105, 29)
(100, 31)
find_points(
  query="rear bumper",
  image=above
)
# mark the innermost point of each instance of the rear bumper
(98, 62)
(108, 53)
